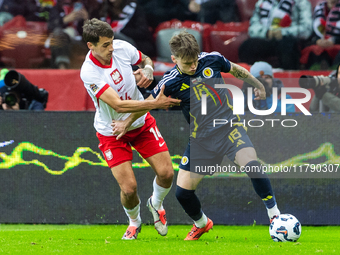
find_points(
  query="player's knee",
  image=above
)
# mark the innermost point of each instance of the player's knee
(167, 175)
(254, 170)
(129, 191)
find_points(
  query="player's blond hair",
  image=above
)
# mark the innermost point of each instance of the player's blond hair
(95, 28)
(184, 45)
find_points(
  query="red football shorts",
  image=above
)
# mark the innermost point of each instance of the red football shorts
(147, 140)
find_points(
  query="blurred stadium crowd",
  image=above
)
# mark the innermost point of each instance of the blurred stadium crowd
(293, 34)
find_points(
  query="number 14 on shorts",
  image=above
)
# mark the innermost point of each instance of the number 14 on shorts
(156, 133)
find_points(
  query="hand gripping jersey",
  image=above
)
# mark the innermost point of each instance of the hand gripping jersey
(119, 76)
(189, 89)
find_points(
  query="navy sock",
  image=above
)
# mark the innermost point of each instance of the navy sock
(261, 183)
(190, 202)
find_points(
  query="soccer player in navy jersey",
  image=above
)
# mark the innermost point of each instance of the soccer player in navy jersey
(195, 72)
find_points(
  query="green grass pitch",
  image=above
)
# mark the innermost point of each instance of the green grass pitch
(106, 239)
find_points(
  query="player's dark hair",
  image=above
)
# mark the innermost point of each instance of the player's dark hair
(95, 28)
(184, 45)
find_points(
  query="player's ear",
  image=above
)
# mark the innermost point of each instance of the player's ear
(90, 45)
(174, 59)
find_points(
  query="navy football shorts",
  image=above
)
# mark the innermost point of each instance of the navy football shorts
(209, 151)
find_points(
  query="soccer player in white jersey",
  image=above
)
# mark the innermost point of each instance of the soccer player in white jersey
(108, 78)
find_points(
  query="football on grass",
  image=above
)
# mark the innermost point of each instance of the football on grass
(285, 228)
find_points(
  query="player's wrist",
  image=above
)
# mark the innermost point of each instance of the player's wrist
(128, 121)
(155, 103)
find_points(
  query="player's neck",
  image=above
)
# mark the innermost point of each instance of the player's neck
(104, 62)
(101, 60)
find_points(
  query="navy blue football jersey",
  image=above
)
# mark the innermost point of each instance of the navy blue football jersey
(189, 88)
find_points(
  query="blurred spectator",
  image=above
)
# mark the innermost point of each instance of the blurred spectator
(39, 9)
(158, 11)
(129, 23)
(8, 9)
(326, 34)
(327, 96)
(5, 17)
(3, 73)
(93, 7)
(65, 23)
(29, 9)
(275, 30)
(264, 72)
(13, 7)
(15, 101)
(211, 11)
(46, 3)
(19, 94)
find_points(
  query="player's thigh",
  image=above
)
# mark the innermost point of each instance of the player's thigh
(245, 155)
(149, 141)
(125, 177)
(188, 180)
(115, 151)
(151, 146)
(162, 165)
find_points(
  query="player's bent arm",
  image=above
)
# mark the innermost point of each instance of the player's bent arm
(120, 127)
(243, 74)
(110, 97)
(145, 71)
(146, 60)
(135, 115)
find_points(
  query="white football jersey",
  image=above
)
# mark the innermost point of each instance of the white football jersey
(119, 76)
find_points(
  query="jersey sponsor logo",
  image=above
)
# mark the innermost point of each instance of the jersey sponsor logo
(185, 160)
(208, 72)
(184, 86)
(94, 87)
(108, 154)
(116, 76)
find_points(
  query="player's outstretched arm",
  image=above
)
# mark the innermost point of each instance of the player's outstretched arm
(111, 97)
(243, 74)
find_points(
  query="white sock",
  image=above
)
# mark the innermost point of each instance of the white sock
(158, 195)
(202, 221)
(134, 215)
(273, 211)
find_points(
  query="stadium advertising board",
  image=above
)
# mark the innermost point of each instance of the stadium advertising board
(51, 171)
